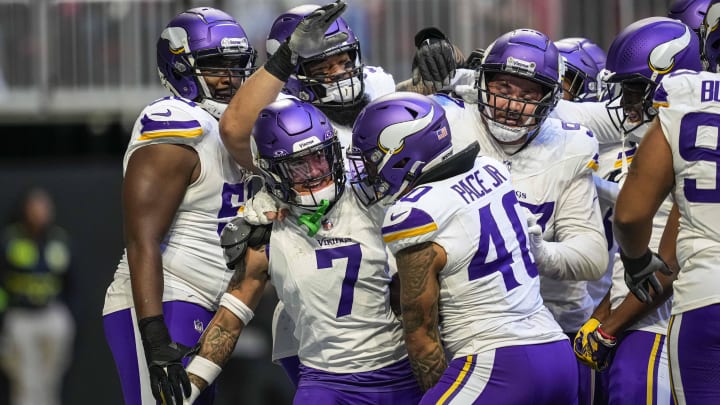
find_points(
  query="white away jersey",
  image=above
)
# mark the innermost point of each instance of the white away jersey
(489, 288)
(193, 265)
(552, 177)
(689, 112)
(335, 288)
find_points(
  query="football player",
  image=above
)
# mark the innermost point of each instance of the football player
(550, 161)
(474, 321)
(677, 157)
(635, 345)
(180, 187)
(333, 78)
(329, 266)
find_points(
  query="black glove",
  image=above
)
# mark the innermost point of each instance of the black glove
(307, 40)
(640, 274)
(474, 60)
(168, 378)
(434, 62)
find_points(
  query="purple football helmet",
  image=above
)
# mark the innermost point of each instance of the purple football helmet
(526, 54)
(298, 151)
(334, 91)
(581, 71)
(638, 58)
(594, 50)
(395, 139)
(690, 12)
(598, 55)
(203, 42)
(711, 37)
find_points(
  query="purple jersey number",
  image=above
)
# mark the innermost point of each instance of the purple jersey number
(489, 230)
(693, 153)
(233, 197)
(353, 254)
(545, 210)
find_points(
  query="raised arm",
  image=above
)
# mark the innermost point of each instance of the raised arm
(265, 84)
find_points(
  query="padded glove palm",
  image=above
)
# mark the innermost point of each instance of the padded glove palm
(434, 62)
(309, 38)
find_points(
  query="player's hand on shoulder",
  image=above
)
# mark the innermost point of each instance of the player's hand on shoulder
(263, 208)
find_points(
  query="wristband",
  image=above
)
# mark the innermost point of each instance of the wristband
(637, 262)
(203, 368)
(605, 335)
(153, 331)
(280, 64)
(237, 307)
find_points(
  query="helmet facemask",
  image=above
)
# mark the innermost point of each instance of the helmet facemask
(507, 122)
(367, 184)
(336, 90)
(631, 107)
(204, 55)
(306, 178)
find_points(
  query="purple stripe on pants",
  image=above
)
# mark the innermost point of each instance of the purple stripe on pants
(541, 374)
(636, 368)
(694, 347)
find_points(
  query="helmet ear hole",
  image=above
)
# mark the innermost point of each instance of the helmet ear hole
(401, 163)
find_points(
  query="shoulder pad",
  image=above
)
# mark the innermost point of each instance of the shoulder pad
(581, 146)
(237, 235)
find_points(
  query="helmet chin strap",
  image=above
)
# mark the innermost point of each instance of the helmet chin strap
(214, 108)
(312, 221)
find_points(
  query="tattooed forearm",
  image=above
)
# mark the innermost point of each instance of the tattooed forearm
(217, 344)
(429, 368)
(415, 276)
(417, 267)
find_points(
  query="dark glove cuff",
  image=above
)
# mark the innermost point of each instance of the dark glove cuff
(154, 331)
(639, 262)
(428, 33)
(280, 63)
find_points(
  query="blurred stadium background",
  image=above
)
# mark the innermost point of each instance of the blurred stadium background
(74, 75)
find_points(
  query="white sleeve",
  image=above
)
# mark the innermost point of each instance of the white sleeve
(579, 251)
(592, 115)
(607, 190)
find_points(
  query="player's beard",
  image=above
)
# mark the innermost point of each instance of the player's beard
(345, 116)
